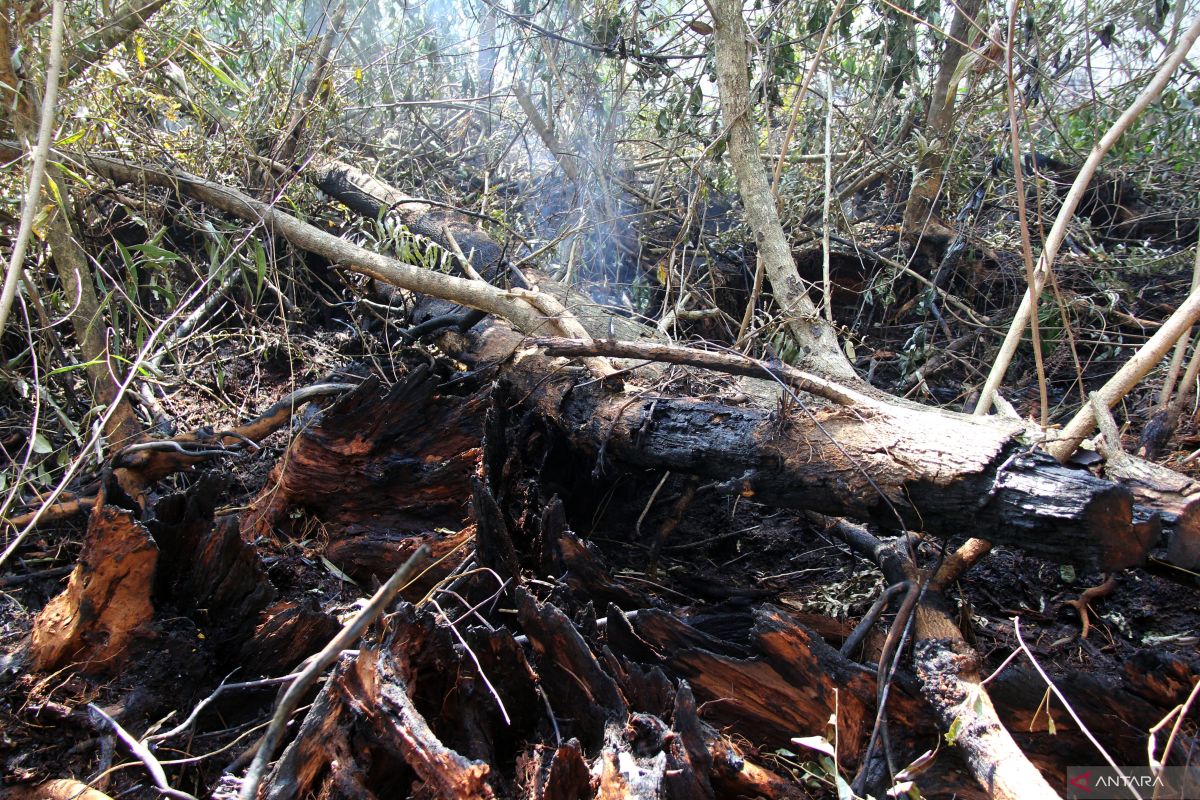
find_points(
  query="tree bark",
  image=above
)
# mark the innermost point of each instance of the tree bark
(898, 466)
(927, 182)
(817, 340)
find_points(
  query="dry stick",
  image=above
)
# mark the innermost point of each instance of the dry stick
(348, 635)
(1136, 368)
(859, 634)
(120, 25)
(755, 292)
(1081, 603)
(529, 312)
(1062, 699)
(222, 688)
(1164, 396)
(889, 662)
(1168, 384)
(1187, 384)
(826, 282)
(15, 580)
(474, 658)
(143, 754)
(722, 362)
(951, 684)
(798, 100)
(1059, 230)
(561, 154)
(957, 563)
(1056, 290)
(320, 69)
(1019, 185)
(797, 104)
(40, 154)
(801, 316)
(1180, 713)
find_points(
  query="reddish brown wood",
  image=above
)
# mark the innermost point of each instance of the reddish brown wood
(373, 555)
(1173, 496)
(383, 460)
(554, 773)
(107, 603)
(584, 696)
(287, 632)
(1161, 678)
(568, 777)
(60, 789)
(736, 776)
(364, 730)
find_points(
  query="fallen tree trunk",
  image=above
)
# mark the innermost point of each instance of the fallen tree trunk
(889, 463)
(1117, 544)
(894, 464)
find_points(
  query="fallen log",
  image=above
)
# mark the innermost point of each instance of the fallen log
(1116, 543)
(900, 466)
(895, 465)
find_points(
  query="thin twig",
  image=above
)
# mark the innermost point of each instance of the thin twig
(143, 754)
(732, 363)
(1062, 699)
(221, 689)
(471, 653)
(1179, 713)
(826, 280)
(347, 636)
(1019, 186)
(41, 153)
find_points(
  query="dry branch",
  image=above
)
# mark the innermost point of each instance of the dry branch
(533, 316)
(321, 662)
(728, 362)
(1058, 231)
(816, 338)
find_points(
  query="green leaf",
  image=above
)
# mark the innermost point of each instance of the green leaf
(71, 138)
(260, 265)
(41, 445)
(337, 573)
(73, 367)
(220, 74)
(955, 728)
(964, 66)
(155, 252)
